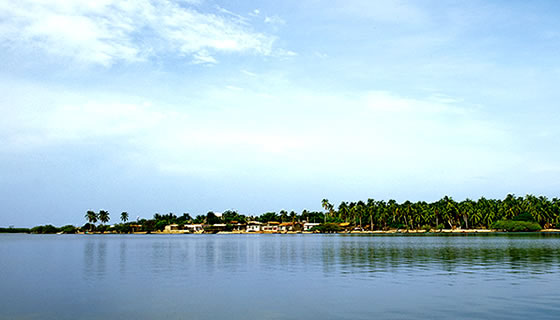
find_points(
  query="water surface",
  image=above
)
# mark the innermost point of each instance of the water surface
(279, 276)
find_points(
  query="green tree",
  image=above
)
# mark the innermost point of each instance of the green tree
(103, 216)
(124, 216)
(91, 217)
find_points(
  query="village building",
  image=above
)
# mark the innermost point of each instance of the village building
(253, 226)
(171, 228)
(309, 225)
(271, 227)
(194, 228)
(290, 226)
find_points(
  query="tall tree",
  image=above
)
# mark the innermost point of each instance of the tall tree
(124, 216)
(104, 216)
(91, 217)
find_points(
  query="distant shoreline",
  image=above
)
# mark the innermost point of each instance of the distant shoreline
(377, 232)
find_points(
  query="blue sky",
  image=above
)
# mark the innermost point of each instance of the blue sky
(190, 106)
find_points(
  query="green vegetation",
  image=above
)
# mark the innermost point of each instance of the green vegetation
(327, 228)
(513, 213)
(516, 226)
(15, 230)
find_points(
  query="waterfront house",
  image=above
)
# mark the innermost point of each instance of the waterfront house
(172, 228)
(238, 227)
(254, 226)
(194, 228)
(271, 227)
(290, 226)
(309, 225)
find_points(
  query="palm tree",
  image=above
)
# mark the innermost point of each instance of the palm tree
(124, 216)
(104, 216)
(327, 206)
(343, 211)
(91, 217)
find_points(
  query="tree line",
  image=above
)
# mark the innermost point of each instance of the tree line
(370, 214)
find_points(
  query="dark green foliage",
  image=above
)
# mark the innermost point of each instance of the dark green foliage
(199, 219)
(68, 229)
(384, 215)
(525, 216)
(211, 218)
(45, 229)
(160, 225)
(88, 227)
(15, 230)
(102, 228)
(148, 226)
(516, 226)
(230, 215)
(269, 216)
(327, 228)
(123, 228)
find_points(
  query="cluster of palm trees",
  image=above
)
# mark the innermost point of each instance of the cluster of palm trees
(381, 215)
(102, 216)
(445, 212)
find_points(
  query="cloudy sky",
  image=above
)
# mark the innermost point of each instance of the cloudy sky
(189, 106)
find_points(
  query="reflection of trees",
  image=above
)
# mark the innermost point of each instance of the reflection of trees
(393, 254)
(95, 256)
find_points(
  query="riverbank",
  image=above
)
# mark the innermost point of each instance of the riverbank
(378, 232)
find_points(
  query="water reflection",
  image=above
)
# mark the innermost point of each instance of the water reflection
(95, 255)
(253, 276)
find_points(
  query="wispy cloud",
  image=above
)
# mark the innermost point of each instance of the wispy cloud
(274, 20)
(109, 31)
(203, 57)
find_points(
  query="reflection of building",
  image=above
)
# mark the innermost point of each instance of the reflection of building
(254, 226)
(309, 225)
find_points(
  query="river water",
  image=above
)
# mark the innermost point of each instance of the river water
(279, 276)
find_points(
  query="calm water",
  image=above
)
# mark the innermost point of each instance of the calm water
(279, 277)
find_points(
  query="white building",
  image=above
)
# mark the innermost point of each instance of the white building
(254, 226)
(309, 225)
(194, 228)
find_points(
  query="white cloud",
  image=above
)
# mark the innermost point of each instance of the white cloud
(107, 31)
(203, 57)
(255, 13)
(372, 133)
(274, 20)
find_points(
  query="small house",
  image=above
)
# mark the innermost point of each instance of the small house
(254, 226)
(309, 225)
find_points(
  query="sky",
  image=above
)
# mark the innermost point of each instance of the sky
(197, 105)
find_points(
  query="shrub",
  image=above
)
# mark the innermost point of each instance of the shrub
(68, 229)
(14, 230)
(426, 227)
(516, 226)
(44, 229)
(327, 228)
